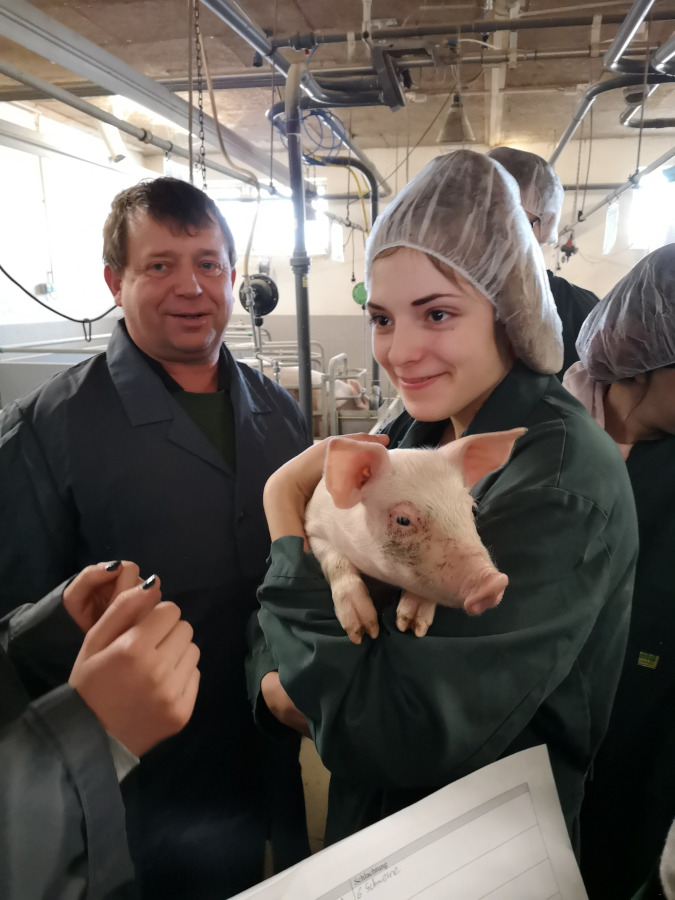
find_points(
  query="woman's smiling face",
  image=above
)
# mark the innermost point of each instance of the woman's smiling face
(434, 336)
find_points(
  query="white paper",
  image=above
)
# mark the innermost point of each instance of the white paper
(498, 834)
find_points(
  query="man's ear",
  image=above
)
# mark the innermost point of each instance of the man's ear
(114, 283)
(233, 276)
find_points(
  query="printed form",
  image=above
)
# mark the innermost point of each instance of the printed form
(498, 834)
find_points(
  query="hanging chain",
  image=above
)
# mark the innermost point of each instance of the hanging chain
(201, 162)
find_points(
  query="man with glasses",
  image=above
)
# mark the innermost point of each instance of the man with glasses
(541, 195)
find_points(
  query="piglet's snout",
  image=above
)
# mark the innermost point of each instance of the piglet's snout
(484, 591)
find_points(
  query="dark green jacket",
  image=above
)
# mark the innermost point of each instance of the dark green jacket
(398, 717)
(631, 798)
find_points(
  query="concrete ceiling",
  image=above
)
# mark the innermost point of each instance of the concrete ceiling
(522, 101)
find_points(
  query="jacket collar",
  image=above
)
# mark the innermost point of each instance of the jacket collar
(143, 393)
(508, 406)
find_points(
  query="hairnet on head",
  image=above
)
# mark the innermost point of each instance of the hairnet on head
(632, 330)
(541, 192)
(464, 210)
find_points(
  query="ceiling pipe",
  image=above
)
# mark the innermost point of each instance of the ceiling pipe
(593, 92)
(633, 181)
(27, 26)
(663, 59)
(230, 13)
(309, 41)
(634, 19)
(141, 134)
(257, 80)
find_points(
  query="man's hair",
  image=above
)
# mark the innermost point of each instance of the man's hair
(171, 202)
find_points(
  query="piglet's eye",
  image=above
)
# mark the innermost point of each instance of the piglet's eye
(401, 520)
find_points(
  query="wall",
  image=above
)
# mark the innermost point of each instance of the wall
(54, 207)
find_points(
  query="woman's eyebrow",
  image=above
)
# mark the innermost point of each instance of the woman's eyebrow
(419, 302)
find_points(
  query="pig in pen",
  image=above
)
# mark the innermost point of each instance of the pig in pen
(406, 518)
(349, 394)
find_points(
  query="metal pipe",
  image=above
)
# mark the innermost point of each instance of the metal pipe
(376, 390)
(89, 109)
(452, 28)
(664, 58)
(635, 17)
(300, 261)
(594, 91)
(257, 80)
(648, 123)
(230, 13)
(633, 181)
(22, 23)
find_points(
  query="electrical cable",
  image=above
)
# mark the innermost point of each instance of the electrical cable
(588, 162)
(83, 322)
(231, 163)
(190, 101)
(426, 132)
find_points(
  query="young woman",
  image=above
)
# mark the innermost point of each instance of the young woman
(465, 327)
(626, 378)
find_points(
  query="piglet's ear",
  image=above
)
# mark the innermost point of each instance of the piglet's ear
(349, 466)
(479, 454)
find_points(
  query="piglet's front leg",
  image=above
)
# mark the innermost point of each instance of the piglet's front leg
(414, 613)
(353, 606)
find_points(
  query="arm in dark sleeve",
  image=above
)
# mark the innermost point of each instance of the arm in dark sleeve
(42, 641)
(37, 530)
(409, 712)
(63, 831)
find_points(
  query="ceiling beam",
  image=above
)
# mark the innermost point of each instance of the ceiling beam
(29, 27)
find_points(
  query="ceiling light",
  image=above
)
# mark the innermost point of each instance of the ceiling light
(456, 128)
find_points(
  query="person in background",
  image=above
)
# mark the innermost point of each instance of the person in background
(68, 735)
(626, 378)
(158, 451)
(542, 195)
(465, 328)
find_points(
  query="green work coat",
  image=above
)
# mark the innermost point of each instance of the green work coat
(398, 717)
(630, 802)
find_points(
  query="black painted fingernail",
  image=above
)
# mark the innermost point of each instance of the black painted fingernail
(148, 583)
(113, 566)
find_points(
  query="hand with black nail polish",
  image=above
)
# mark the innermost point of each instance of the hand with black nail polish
(91, 592)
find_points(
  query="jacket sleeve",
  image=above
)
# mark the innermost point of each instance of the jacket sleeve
(408, 712)
(42, 642)
(38, 535)
(64, 833)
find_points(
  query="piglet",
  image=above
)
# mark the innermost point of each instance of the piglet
(405, 517)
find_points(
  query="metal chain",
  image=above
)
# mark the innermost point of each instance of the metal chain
(201, 163)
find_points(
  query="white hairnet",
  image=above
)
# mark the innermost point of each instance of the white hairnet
(541, 192)
(464, 209)
(632, 330)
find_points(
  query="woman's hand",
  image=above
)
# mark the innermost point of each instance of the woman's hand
(91, 592)
(290, 488)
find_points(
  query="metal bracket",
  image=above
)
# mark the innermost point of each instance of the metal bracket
(386, 71)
